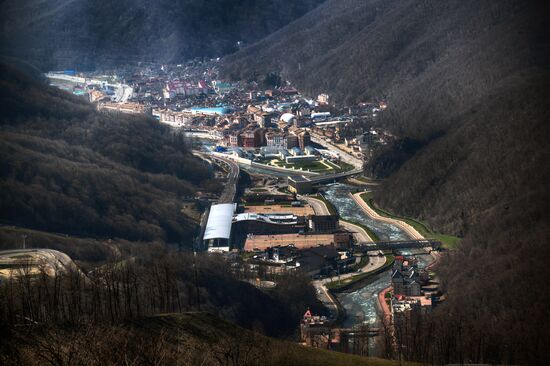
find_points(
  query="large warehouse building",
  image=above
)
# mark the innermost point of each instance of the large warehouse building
(217, 235)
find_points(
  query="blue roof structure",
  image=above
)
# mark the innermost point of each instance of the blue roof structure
(213, 110)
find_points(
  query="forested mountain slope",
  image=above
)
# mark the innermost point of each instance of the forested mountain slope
(465, 81)
(67, 168)
(467, 84)
(85, 34)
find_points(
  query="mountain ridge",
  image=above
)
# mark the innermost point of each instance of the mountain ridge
(89, 34)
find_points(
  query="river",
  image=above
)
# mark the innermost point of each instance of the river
(362, 305)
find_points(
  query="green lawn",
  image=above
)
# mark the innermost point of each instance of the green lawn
(344, 167)
(366, 180)
(340, 167)
(448, 241)
(314, 166)
(317, 166)
(263, 160)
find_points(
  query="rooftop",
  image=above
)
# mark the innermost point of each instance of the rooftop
(300, 241)
(219, 221)
(298, 178)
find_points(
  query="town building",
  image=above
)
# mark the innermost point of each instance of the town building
(314, 330)
(323, 223)
(304, 139)
(261, 224)
(407, 278)
(217, 234)
(252, 138)
(300, 185)
(321, 260)
(274, 139)
(233, 140)
(291, 141)
(296, 151)
(323, 99)
(270, 151)
(310, 150)
(262, 118)
(173, 118)
(405, 283)
(283, 154)
(288, 90)
(288, 118)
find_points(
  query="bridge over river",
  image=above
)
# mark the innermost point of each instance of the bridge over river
(398, 244)
(333, 177)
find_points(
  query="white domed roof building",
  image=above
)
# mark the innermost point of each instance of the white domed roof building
(288, 118)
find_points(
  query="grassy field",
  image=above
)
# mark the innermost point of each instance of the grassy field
(448, 241)
(313, 166)
(319, 166)
(362, 178)
(341, 167)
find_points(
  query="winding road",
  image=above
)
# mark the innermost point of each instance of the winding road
(230, 190)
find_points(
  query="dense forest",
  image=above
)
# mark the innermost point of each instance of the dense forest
(87, 34)
(467, 84)
(69, 169)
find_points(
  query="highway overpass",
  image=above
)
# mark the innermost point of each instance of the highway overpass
(332, 177)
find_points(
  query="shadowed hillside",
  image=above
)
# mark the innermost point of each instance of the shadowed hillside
(86, 34)
(67, 168)
(155, 281)
(467, 76)
(182, 339)
(467, 84)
